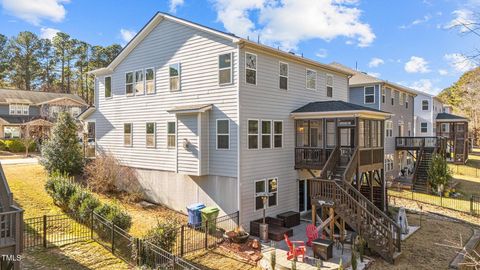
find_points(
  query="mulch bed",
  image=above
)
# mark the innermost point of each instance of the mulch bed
(243, 252)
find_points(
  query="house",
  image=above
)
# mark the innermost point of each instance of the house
(369, 91)
(21, 108)
(206, 116)
(427, 107)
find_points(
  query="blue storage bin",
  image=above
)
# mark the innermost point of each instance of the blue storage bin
(194, 214)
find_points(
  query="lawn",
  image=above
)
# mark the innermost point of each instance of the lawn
(468, 175)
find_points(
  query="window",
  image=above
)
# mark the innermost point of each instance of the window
(389, 162)
(329, 85)
(401, 98)
(369, 95)
(139, 83)
(25, 109)
(171, 135)
(129, 83)
(250, 68)
(225, 68)
(409, 129)
(108, 87)
(401, 129)
(150, 80)
(150, 133)
(388, 128)
(395, 94)
(425, 105)
(252, 134)
(283, 76)
(277, 134)
(223, 134)
(406, 101)
(13, 109)
(127, 134)
(383, 95)
(266, 187)
(423, 127)
(11, 132)
(392, 97)
(174, 74)
(19, 109)
(311, 79)
(266, 134)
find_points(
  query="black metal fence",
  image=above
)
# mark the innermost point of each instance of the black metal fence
(464, 170)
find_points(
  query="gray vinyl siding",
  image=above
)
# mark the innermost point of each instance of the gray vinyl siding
(205, 144)
(168, 43)
(32, 110)
(357, 96)
(188, 157)
(266, 101)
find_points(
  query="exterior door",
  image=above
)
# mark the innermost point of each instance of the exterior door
(347, 144)
(304, 202)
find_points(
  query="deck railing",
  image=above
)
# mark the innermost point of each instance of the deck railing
(330, 164)
(11, 228)
(418, 142)
(310, 157)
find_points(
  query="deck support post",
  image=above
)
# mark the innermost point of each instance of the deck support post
(332, 223)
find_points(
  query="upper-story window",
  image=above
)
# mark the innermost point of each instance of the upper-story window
(329, 83)
(311, 79)
(283, 83)
(388, 128)
(424, 127)
(108, 87)
(19, 109)
(150, 134)
(225, 68)
(383, 95)
(406, 100)
(277, 134)
(139, 83)
(150, 80)
(250, 68)
(252, 134)
(129, 84)
(223, 134)
(401, 98)
(425, 105)
(369, 95)
(127, 134)
(174, 75)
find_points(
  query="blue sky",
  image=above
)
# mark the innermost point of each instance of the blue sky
(409, 42)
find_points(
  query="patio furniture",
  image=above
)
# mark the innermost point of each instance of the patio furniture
(322, 248)
(312, 234)
(295, 251)
(276, 228)
(290, 218)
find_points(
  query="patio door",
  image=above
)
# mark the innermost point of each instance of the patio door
(304, 202)
(347, 144)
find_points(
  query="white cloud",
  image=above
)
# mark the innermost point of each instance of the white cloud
(462, 18)
(174, 4)
(127, 35)
(48, 33)
(374, 74)
(459, 62)
(425, 19)
(322, 53)
(287, 22)
(425, 85)
(417, 65)
(36, 11)
(443, 72)
(375, 62)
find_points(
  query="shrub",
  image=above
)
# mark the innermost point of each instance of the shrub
(3, 147)
(114, 214)
(439, 175)
(86, 208)
(164, 234)
(64, 190)
(76, 201)
(14, 146)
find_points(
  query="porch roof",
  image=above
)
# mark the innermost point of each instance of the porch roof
(194, 108)
(18, 119)
(337, 108)
(448, 117)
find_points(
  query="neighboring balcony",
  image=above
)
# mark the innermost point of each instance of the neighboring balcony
(416, 143)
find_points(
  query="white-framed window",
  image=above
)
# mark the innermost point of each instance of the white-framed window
(369, 95)
(311, 79)
(11, 132)
(409, 129)
(329, 84)
(251, 68)
(12, 109)
(383, 95)
(424, 127)
(425, 105)
(127, 134)
(139, 82)
(150, 80)
(283, 75)
(108, 86)
(277, 134)
(171, 135)
(25, 109)
(263, 187)
(388, 162)
(19, 109)
(253, 134)
(129, 84)
(401, 98)
(225, 63)
(392, 97)
(266, 134)
(150, 135)
(174, 74)
(388, 128)
(223, 134)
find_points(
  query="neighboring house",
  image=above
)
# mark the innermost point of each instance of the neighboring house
(427, 107)
(20, 108)
(205, 116)
(380, 94)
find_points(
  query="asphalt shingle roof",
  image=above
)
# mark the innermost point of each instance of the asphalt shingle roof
(32, 97)
(449, 116)
(333, 106)
(19, 119)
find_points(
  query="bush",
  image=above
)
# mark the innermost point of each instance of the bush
(164, 234)
(3, 147)
(86, 208)
(14, 146)
(76, 201)
(114, 214)
(439, 175)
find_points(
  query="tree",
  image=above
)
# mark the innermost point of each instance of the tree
(62, 44)
(62, 152)
(24, 54)
(28, 136)
(439, 175)
(4, 63)
(47, 64)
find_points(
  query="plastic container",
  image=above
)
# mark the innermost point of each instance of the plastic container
(210, 213)
(194, 214)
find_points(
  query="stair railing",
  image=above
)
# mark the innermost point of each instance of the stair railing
(419, 160)
(351, 166)
(331, 163)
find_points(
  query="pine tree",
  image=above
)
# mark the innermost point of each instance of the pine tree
(62, 152)
(24, 55)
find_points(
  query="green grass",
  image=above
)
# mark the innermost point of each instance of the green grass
(468, 175)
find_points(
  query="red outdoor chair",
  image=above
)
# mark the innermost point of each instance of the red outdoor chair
(297, 251)
(312, 234)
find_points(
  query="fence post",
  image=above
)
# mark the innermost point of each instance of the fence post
(44, 231)
(137, 244)
(471, 205)
(113, 238)
(206, 234)
(91, 225)
(182, 239)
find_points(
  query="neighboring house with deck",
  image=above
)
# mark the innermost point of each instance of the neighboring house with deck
(206, 116)
(21, 108)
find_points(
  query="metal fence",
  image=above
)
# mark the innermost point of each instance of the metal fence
(469, 206)
(464, 170)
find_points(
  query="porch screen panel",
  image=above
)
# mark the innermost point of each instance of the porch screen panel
(330, 134)
(361, 133)
(302, 133)
(316, 133)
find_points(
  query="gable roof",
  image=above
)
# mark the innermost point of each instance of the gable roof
(445, 117)
(8, 96)
(334, 106)
(361, 78)
(160, 16)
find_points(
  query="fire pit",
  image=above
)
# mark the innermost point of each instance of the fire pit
(237, 236)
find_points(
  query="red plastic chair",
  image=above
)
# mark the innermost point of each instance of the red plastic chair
(312, 234)
(297, 251)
